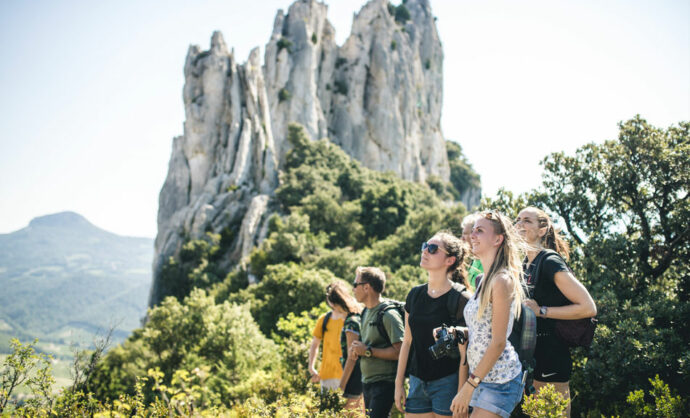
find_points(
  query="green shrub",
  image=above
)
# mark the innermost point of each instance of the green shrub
(284, 94)
(547, 403)
(284, 43)
(462, 175)
(658, 403)
(220, 339)
(402, 14)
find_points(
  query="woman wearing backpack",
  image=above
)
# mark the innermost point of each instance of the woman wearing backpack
(339, 297)
(327, 329)
(433, 383)
(556, 295)
(494, 386)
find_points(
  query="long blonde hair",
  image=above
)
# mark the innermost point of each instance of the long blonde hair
(508, 259)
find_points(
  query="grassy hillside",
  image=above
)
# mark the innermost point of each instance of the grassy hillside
(64, 280)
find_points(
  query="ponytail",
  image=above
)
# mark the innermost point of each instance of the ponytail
(552, 239)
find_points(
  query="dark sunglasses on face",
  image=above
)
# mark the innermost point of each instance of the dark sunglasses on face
(432, 248)
(356, 283)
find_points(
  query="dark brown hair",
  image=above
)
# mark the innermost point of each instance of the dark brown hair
(458, 248)
(338, 293)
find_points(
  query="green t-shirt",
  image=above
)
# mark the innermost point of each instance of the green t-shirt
(474, 270)
(376, 369)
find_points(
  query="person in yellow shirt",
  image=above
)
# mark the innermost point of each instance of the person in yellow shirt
(330, 371)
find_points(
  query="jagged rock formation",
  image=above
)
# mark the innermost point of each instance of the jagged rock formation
(378, 96)
(223, 169)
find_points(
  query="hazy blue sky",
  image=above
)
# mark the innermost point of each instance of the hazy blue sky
(92, 90)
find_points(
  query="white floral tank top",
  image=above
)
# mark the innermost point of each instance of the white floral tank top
(508, 364)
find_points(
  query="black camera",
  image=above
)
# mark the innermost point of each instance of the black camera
(447, 340)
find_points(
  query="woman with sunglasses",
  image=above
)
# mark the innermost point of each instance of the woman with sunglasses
(557, 294)
(433, 382)
(495, 386)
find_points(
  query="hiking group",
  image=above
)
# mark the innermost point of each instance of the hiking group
(495, 319)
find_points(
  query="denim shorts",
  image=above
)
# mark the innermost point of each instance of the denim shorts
(432, 396)
(499, 398)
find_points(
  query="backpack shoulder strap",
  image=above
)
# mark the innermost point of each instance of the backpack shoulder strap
(379, 322)
(390, 305)
(457, 299)
(538, 262)
(325, 322)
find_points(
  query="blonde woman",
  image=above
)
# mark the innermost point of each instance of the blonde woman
(494, 386)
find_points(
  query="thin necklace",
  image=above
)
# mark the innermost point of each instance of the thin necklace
(434, 291)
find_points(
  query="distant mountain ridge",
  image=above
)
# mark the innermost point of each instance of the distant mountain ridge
(63, 276)
(61, 219)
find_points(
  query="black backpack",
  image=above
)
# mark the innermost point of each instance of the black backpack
(389, 304)
(523, 337)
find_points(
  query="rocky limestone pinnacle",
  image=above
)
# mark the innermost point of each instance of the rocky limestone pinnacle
(378, 96)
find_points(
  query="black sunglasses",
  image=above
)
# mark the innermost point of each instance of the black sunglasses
(356, 283)
(432, 248)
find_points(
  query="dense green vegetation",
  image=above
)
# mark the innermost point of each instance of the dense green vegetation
(224, 345)
(333, 215)
(625, 205)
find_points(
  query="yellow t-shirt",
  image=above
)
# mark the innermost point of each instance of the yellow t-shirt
(330, 360)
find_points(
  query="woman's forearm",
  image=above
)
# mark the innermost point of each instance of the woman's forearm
(463, 371)
(402, 361)
(573, 311)
(313, 354)
(347, 371)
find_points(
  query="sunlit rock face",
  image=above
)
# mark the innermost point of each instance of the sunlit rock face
(378, 96)
(223, 169)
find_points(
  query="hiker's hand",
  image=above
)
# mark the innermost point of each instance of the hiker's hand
(351, 353)
(400, 397)
(533, 305)
(461, 402)
(315, 377)
(358, 348)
